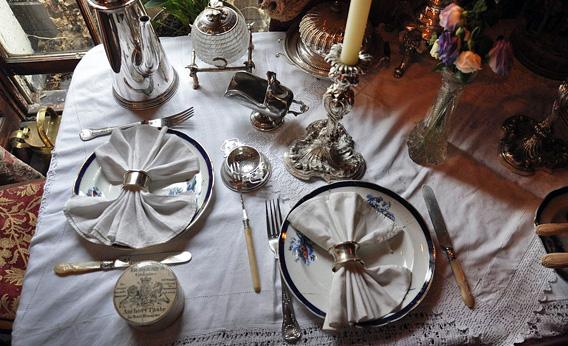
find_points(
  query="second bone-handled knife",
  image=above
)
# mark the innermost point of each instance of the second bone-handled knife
(446, 244)
(63, 269)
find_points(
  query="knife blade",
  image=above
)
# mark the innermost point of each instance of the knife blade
(446, 244)
(63, 269)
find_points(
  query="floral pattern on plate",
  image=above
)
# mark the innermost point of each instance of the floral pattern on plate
(381, 206)
(189, 187)
(94, 192)
(303, 249)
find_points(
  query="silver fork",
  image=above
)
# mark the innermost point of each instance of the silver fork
(171, 120)
(291, 331)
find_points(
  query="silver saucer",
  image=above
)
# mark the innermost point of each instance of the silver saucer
(300, 56)
(245, 169)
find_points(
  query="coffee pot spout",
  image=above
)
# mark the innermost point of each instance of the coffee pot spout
(149, 58)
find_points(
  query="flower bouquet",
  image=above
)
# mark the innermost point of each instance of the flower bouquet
(461, 49)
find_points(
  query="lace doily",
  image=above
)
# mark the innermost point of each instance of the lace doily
(447, 322)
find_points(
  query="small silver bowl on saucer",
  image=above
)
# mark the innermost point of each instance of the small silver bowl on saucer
(245, 169)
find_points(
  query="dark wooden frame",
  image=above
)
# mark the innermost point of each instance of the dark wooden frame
(10, 66)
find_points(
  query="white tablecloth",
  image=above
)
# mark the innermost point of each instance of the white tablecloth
(488, 209)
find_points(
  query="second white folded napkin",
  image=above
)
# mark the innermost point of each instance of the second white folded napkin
(357, 293)
(138, 218)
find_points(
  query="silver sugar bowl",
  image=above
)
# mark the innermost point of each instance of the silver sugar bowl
(219, 34)
(244, 169)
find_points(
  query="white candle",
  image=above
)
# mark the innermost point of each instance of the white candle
(355, 31)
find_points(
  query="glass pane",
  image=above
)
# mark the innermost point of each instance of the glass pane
(38, 27)
(253, 14)
(45, 89)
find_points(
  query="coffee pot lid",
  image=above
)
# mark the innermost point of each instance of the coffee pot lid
(217, 18)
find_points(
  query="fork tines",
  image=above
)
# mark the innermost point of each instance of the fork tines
(273, 218)
(235, 171)
(179, 118)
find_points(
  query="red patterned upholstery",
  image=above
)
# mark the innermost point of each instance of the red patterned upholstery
(19, 206)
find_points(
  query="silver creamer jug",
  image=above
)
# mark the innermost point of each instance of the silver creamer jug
(269, 100)
(142, 76)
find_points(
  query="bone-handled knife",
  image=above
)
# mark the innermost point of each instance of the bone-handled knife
(63, 269)
(446, 244)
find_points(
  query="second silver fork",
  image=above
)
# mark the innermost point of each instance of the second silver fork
(171, 120)
(291, 331)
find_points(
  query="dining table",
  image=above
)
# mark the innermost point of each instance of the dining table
(488, 209)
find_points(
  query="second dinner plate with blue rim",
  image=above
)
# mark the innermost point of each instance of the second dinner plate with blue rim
(554, 209)
(92, 182)
(306, 267)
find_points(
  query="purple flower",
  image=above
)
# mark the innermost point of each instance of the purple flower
(450, 16)
(501, 57)
(448, 48)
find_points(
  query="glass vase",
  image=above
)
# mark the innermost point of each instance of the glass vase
(428, 141)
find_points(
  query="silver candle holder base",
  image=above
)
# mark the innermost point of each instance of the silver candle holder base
(248, 65)
(327, 151)
(529, 145)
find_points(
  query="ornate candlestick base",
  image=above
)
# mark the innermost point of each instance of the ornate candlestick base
(327, 151)
(529, 145)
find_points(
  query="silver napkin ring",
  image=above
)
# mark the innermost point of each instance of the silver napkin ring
(344, 253)
(135, 181)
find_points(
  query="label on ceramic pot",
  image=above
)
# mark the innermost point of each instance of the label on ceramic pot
(146, 293)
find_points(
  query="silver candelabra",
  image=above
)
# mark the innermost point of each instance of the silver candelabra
(327, 150)
(529, 145)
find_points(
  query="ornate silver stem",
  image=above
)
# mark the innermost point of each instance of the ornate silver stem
(528, 145)
(416, 35)
(327, 150)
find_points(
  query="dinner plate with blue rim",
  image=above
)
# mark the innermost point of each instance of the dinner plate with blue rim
(92, 182)
(554, 209)
(306, 267)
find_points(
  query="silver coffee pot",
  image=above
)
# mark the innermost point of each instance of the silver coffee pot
(142, 76)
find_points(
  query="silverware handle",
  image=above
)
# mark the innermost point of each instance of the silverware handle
(252, 259)
(63, 269)
(465, 292)
(88, 134)
(555, 260)
(291, 331)
(548, 229)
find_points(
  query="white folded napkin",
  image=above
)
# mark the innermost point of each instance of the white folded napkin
(357, 294)
(138, 218)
